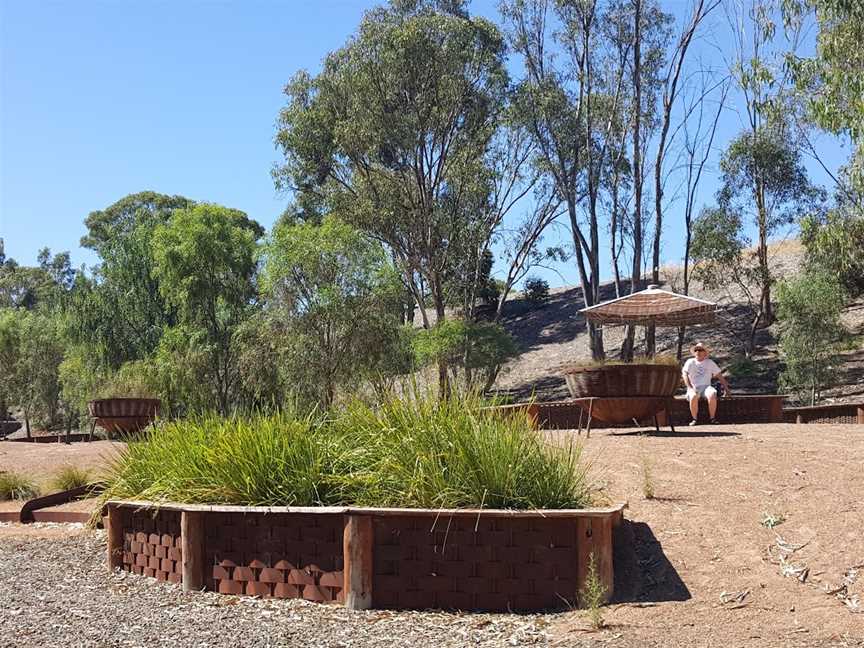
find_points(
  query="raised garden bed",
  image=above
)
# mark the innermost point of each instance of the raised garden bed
(622, 380)
(494, 560)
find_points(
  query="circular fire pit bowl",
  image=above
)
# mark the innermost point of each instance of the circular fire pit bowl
(623, 380)
(455, 559)
(124, 415)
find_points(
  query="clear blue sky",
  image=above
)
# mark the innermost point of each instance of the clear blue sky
(102, 99)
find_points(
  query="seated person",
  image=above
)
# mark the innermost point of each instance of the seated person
(698, 372)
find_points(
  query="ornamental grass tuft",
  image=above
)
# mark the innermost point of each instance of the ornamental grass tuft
(416, 452)
(15, 486)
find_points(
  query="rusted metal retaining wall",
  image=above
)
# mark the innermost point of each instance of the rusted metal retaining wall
(365, 557)
(840, 413)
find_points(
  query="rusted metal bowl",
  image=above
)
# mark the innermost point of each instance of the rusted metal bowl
(622, 380)
(124, 415)
(624, 410)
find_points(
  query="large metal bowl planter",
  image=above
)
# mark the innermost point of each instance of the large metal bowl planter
(124, 415)
(624, 380)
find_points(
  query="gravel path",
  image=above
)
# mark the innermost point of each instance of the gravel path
(86, 606)
(55, 591)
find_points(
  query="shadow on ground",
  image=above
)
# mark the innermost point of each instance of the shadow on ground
(643, 573)
(678, 434)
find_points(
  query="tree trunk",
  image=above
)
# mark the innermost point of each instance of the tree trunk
(636, 273)
(443, 375)
(27, 424)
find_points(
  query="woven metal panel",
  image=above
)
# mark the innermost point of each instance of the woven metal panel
(474, 564)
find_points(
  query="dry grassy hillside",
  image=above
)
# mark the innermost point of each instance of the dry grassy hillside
(555, 334)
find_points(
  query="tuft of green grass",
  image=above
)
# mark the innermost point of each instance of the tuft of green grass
(647, 477)
(69, 477)
(593, 594)
(415, 452)
(15, 486)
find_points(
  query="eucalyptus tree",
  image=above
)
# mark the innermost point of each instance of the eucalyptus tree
(393, 135)
(831, 83)
(205, 263)
(118, 312)
(764, 178)
(570, 103)
(339, 300)
(671, 82)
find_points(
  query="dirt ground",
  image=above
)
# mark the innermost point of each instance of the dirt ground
(695, 565)
(704, 569)
(39, 461)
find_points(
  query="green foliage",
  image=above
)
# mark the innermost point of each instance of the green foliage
(15, 486)
(593, 594)
(31, 350)
(44, 286)
(69, 477)
(835, 246)
(416, 453)
(809, 308)
(341, 303)
(105, 228)
(536, 290)
(205, 262)
(832, 83)
(767, 159)
(81, 377)
(659, 359)
(647, 475)
(718, 247)
(132, 380)
(120, 313)
(392, 136)
(477, 349)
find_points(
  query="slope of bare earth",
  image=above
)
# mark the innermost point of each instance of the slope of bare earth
(554, 334)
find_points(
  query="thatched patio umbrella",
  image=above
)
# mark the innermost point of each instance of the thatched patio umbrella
(653, 306)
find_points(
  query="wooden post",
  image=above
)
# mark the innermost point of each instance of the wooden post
(861, 415)
(798, 419)
(776, 410)
(115, 537)
(357, 543)
(594, 537)
(192, 550)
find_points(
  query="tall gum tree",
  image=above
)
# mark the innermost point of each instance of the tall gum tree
(393, 134)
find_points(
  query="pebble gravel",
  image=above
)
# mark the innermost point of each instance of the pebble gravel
(58, 592)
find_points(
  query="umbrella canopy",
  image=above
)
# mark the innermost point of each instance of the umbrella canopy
(653, 306)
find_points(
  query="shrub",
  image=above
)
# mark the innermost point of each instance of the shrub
(417, 452)
(70, 477)
(536, 290)
(14, 486)
(593, 594)
(647, 477)
(478, 349)
(809, 309)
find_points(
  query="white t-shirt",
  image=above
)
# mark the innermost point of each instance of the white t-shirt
(700, 372)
